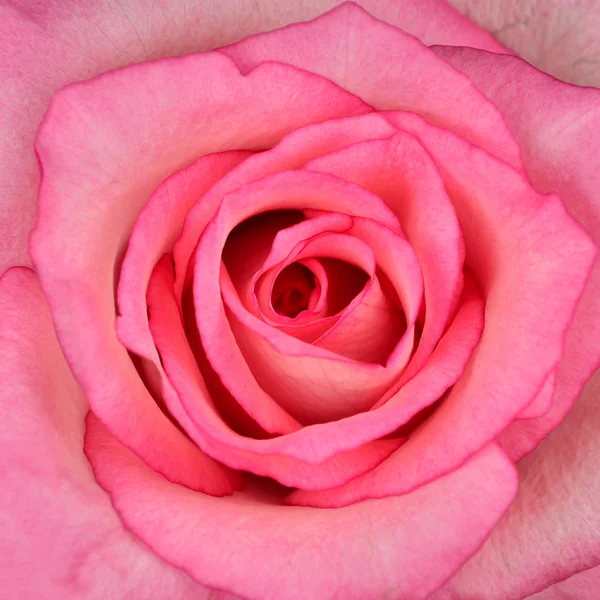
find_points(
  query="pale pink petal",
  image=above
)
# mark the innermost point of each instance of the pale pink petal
(400, 172)
(295, 150)
(378, 545)
(551, 530)
(97, 178)
(44, 47)
(532, 261)
(387, 68)
(583, 586)
(196, 411)
(555, 124)
(560, 38)
(61, 537)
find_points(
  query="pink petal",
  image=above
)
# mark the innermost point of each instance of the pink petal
(275, 279)
(372, 305)
(156, 229)
(397, 262)
(311, 383)
(554, 124)
(292, 152)
(371, 331)
(260, 287)
(509, 238)
(387, 68)
(400, 172)
(317, 443)
(95, 185)
(248, 245)
(430, 20)
(343, 383)
(460, 510)
(61, 537)
(583, 586)
(47, 47)
(551, 530)
(540, 405)
(562, 41)
(195, 410)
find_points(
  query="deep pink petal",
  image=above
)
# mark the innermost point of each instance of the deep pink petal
(458, 511)
(93, 190)
(248, 246)
(387, 68)
(61, 537)
(190, 402)
(260, 289)
(310, 381)
(157, 227)
(399, 171)
(289, 190)
(555, 124)
(301, 326)
(292, 152)
(532, 261)
(317, 443)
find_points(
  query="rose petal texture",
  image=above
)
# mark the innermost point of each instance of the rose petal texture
(56, 522)
(45, 46)
(550, 532)
(99, 232)
(256, 526)
(514, 444)
(559, 38)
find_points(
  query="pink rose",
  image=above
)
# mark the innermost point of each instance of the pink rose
(299, 306)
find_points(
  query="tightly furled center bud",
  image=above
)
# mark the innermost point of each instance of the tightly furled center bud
(294, 291)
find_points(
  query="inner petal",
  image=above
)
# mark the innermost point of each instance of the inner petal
(295, 290)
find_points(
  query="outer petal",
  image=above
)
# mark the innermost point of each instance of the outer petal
(556, 125)
(44, 46)
(583, 586)
(386, 68)
(551, 530)
(508, 237)
(91, 195)
(378, 546)
(61, 538)
(560, 38)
